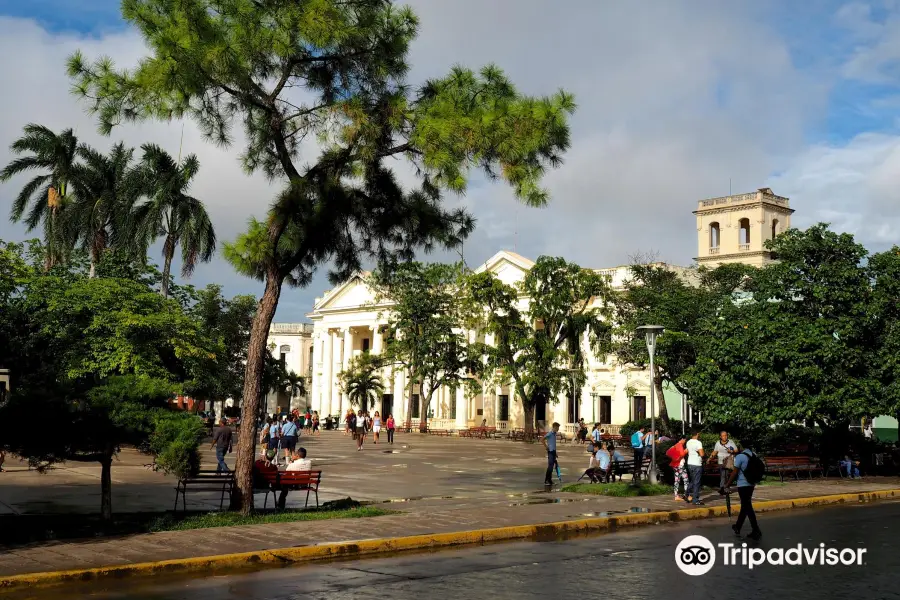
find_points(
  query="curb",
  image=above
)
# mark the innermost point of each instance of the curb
(354, 549)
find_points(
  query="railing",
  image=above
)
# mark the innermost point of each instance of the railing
(714, 250)
(291, 328)
(441, 423)
(503, 425)
(741, 198)
(743, 247)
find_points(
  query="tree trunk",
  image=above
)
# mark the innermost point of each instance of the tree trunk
(423, 411)
(661, 402)
(106, 486)
(93, 272)
(528, 407)
(242, 498)
(168, 253)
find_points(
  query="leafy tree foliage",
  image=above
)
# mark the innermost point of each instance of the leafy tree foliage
(681, 302)
(537, 347)
(220, 61)
(425, 333)
(362, 382)
(802, 347)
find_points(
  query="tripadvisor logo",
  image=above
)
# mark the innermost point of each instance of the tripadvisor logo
(696, 555)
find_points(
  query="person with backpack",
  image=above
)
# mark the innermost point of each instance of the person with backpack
(748, 471)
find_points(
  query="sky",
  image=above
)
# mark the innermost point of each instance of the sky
(678, 100)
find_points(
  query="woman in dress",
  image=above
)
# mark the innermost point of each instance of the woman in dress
(376, 425)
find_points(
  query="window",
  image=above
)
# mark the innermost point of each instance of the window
(282, 359)
(415, 407)
(640, 408)
(605, 409)
(744, 233)
(365, 345)
(503, 401)
(774, 228)
(573, 409)
(713, 235)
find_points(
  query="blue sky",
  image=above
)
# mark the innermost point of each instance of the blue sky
(676, 98)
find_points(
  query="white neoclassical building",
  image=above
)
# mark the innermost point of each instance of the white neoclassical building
(346, 322)
(292, 344)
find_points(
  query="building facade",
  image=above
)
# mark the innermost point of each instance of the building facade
(292, 344)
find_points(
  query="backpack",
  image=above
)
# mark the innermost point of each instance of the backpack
(755, 470)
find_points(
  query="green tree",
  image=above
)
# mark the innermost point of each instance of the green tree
(45, 196)
(681, 302)
(106, 187)
(884, 273)
(424, 322)
(538, 348)
(362, 382)
(218, 61)
(171, 213)
(800, 347)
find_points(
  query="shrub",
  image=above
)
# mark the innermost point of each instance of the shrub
(631, 426)
(175, 441)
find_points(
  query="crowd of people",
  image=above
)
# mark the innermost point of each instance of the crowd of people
(359, 424)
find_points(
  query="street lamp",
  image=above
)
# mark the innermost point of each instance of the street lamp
(651, 332)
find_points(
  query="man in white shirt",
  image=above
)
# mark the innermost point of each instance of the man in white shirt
(299, 462)
(724, 451)
(695, 466)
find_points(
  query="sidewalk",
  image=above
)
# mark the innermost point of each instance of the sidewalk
(417, 517)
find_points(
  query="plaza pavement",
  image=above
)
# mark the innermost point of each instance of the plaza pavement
(439, 485)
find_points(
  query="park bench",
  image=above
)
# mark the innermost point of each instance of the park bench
(205, 481)
(289, 481)
(612, 437)
(478, 432)
(793, 464)
(441, 432)
(618, 468)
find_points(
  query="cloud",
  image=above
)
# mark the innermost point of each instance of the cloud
(678, 100)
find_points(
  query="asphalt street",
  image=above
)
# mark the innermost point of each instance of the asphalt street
(636, 563)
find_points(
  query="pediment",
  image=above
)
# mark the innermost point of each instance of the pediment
(509, 267)
(353, 293)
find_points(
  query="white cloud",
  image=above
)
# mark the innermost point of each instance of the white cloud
(676, 98)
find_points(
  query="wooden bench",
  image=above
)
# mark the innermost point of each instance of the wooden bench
(611, 437)
(205, 481)
(478, 432)
(287, 481)
(441, 432)
(792, 464)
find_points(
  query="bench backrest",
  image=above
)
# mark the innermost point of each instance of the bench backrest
(208, 477)
(299, 477)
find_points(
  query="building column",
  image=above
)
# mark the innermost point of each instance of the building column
(377, 340)
(324, 398)
(315, 383)
(347, 356)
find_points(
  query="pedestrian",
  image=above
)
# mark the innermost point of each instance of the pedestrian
(264, 437)
(376, 425)
(695, 455)
(2, 459)
(868, 432)
(851, 467)
(309, 421)
(315, 423)
(360, 430)
(222, 442)
(549, 441)
(637, 446)
(582, 431)
(289, 435)
(676, 455)
(390, 428)
(596, 435)
(275, 437)
(724, 452)
(349, 424)
(748, 470)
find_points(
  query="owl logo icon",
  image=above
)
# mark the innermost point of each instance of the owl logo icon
(695, 555)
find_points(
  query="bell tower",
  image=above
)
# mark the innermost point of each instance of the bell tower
(734, 229)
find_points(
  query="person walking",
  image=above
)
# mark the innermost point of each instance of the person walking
(264, 438)
(275, 437)
(748, 470)
(349, 425)
(308, 421)
(222, 442)
(637, 446)
(376, 425)
(289, 435)
(390, 428)
(695, 455)
(315, 423)
(676, 455)
(596, 434)
(724, 452)
(549, 441)
(360, 430)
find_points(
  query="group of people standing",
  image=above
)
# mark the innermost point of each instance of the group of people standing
(359, 424)
(282, 435)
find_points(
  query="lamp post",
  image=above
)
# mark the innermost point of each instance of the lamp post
(651, 332)
(593, 407)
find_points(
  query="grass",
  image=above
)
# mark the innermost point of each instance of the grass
(227, 519)
(620, 489)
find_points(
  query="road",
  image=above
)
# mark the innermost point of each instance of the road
(635, 563)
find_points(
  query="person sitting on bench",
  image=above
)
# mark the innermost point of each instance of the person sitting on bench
(299, 462)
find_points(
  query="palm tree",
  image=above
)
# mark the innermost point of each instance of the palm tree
(295, 384)
(172, 213)
(55, 155)
(361, 381)
(106, 187)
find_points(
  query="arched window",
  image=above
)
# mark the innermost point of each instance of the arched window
(714, 235)
(744, 234)
(774, 228)
(285, 348)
